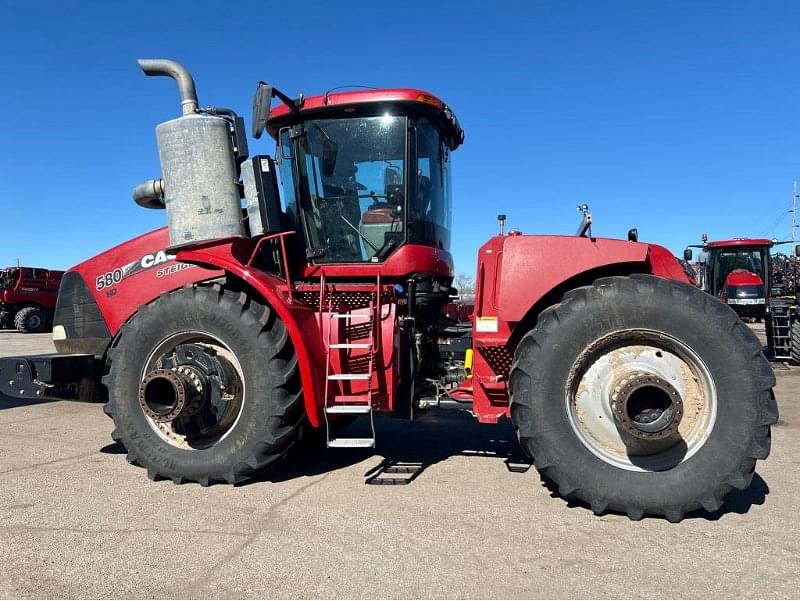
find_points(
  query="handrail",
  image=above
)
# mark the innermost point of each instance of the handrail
(284, 258)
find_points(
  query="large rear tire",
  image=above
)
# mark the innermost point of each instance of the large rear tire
(31, 320)
(203, 386)
(644, 396)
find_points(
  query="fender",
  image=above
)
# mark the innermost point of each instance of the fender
(300, 321)
(523, 269)
(517, 273)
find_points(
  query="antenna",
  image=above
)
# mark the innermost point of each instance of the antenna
(795, 196)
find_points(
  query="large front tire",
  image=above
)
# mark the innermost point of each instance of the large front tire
(644, 396)
(234, 367)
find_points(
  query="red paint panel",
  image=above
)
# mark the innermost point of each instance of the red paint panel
(408, 259)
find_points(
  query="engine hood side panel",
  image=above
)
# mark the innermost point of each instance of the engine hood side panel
(134, 273)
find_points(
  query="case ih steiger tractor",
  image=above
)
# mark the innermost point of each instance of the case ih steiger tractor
(28, 297)
(220, 339)
(743, 274)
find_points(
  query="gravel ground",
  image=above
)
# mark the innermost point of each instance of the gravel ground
(77, 521)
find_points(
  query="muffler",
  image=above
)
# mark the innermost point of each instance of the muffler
(199, 188)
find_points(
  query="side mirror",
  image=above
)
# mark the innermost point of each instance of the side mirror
(261, 105)
(687, 254)
(633, 234)
(330, 150)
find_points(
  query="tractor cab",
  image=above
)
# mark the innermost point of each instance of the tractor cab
(721, 258)
(367, 173)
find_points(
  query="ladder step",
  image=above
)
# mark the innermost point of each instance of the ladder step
(360, 409)
(352, 398)
(364, 345)
(351, 316)
(352, 442)
(349, 376)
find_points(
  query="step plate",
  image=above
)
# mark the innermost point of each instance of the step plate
(352, 443)
(350, 345)
(349, 376)
(360, 409)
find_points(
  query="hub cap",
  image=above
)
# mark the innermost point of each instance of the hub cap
(641, 400)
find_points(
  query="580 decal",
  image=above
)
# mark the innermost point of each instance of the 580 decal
(108, 279)
(148, 261)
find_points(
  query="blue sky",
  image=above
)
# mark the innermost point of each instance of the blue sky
(675, 117)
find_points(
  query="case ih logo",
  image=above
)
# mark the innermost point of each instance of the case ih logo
(111, 278)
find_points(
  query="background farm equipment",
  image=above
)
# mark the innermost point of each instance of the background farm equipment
(28, 297)
(743, 273)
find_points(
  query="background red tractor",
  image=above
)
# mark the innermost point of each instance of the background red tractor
(28, 297)
(744, 274)
(220, 339)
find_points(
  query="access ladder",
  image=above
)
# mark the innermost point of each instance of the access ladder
(336, 401)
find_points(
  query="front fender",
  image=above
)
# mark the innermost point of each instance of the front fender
(300, 321)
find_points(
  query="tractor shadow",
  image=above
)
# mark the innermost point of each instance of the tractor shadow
(7, 402)
(405, 450)
(738, 502)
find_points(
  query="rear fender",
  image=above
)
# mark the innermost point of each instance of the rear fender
(520, 276)
(524, 269)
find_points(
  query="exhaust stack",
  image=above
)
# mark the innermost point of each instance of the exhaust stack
(154, 67)
(198, 167)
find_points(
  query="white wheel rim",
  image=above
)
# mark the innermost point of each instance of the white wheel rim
(624, 353)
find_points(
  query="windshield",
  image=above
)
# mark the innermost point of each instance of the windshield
(353, 173)
(8, 278)
(723, 261)
(359, 187)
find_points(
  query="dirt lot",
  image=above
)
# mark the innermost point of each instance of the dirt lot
(77, 521)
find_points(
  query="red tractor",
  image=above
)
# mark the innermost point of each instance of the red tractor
(28, 297)
(741, 272)
(221, 339)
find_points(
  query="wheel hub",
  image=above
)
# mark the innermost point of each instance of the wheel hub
(646, 406)
(191, 390)
(167, 394)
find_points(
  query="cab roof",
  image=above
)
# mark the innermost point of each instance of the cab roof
(344, 104)
(739, 242)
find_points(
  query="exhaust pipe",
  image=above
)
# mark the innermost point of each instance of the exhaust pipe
(150, 194)
(165, 67)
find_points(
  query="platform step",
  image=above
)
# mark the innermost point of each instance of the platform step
(352, 399)
(353, 443)
(360, 409)
(349, 376)
(354, 345)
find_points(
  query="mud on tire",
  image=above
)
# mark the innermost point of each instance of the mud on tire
(721, 459)
(270, 413)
